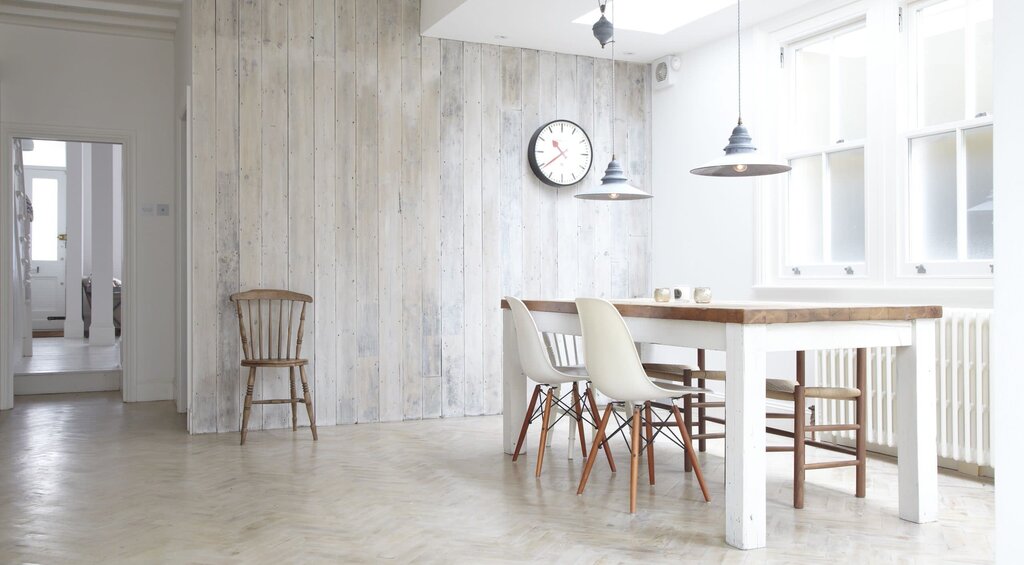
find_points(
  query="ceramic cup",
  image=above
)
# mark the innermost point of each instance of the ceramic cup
(662, 294)
(682, 294)
(702, 295)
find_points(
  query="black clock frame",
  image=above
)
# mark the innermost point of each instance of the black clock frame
(532, 155)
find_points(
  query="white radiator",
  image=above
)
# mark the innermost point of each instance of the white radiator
(963, 414)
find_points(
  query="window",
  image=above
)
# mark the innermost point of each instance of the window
(824, 193)
(948, 220)
(884, 112)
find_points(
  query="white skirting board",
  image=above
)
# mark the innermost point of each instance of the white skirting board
(55, 383)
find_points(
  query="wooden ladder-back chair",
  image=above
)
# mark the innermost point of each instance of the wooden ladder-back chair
(267, 321)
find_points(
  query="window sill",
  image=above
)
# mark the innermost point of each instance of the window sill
(975, 296)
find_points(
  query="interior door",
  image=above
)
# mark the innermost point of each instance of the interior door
(47, 189)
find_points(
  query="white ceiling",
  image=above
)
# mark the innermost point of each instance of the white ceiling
(145, 18)
(548, 25)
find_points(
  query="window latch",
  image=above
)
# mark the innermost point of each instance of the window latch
(796, 270)
(992, 268)
(840, 140)
(848, 270)
(981, 115)
(920, 269)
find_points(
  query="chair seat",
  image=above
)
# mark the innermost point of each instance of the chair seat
(274, 362)
(674, 372)
(784, 389)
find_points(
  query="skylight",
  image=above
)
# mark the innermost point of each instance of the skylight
(655, 16)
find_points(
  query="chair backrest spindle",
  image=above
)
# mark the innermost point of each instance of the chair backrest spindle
(256, 324)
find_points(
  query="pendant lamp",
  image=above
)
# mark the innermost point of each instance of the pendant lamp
(741, 158)
(614, 184)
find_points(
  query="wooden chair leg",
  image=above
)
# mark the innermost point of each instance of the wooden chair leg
(687, 419)
(634, 458)
(526, 422)
(295, 409)
(650, 441)
(599, 444)
(309, 401)
(577, 407)
(862, 381)
(546, 418)
(799, 471)
(247, 407)
(702, 423)
(690, 453)
(598, 440)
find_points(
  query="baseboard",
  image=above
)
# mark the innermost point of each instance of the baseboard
(57, 383)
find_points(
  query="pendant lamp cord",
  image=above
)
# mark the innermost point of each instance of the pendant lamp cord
(739, 69)
(613, 80)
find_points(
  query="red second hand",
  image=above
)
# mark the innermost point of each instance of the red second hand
(554, 143)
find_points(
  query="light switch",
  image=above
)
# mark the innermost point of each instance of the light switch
(163, 209)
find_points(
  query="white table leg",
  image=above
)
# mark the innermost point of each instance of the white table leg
(915, 425)
(513, 398)
(745, 436)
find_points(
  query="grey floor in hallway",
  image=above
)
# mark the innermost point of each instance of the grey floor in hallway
(87, 479)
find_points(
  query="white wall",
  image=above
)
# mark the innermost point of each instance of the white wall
(1007, 335)
(85, 80)
(182, 80)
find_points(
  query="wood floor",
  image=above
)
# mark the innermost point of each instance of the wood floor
(87, 479)
(59, 355)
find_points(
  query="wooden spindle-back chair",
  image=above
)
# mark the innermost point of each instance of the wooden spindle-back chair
(271, 323)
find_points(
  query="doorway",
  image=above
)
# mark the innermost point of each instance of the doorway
(69, 243)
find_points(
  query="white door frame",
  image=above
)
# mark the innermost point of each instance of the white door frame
(8, 132)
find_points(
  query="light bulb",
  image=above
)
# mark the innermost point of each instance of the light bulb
(739, 168)
(614, 196)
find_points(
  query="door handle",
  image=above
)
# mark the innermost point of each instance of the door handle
(62, 237)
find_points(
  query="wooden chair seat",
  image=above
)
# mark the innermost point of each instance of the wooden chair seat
(785, 389)
(674, 372)
(274, 362)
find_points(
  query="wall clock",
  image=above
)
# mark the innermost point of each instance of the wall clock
(560, 153)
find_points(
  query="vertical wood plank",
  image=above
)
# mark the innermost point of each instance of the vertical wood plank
(345, 209)
(453, 290)
(430, 131)
(473, 231)
(490, 174)
(227, 242)
(585, 210)
(411, 198)
(620, 214)
(368, 379)
(204, 219)
(535, 193)
(324, 214)
(301, 198)
(545, 197)
(601, 140)
(637, 152)
(566, 263)
(511, 172)
(389, 218)
(250, 164)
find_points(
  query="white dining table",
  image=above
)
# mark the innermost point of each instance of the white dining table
(747, 332)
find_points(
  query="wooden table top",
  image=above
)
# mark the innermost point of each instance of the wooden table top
(748, 312)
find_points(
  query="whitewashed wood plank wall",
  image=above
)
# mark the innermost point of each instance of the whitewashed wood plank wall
(337, 152)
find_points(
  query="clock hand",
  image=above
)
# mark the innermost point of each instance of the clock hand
(561, 153)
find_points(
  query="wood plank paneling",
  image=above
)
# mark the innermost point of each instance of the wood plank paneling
(344, 155)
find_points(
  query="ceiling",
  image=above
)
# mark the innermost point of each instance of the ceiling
(143, 18)
(548, 24)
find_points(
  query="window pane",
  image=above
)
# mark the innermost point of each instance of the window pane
(44, 223)
(851, 72)
(940, 64)
(846, 175)
(805, 212)
(933, 197)
(46, 154)
(983, 57)
(812, 94)
(978, 143)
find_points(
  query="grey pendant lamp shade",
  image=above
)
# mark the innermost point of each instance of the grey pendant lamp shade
(741, 158)
(614, 184)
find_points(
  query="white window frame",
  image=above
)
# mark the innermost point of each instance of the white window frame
(826, 269)
(907, 266)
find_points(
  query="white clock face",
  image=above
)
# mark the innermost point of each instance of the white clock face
(560, 153)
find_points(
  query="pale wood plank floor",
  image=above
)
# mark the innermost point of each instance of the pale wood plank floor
(85, 478)
(60, 355)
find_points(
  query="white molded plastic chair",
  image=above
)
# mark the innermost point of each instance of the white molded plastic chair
(615, 369)
(536, 363)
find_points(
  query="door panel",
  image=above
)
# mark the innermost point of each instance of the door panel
(47, 189)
